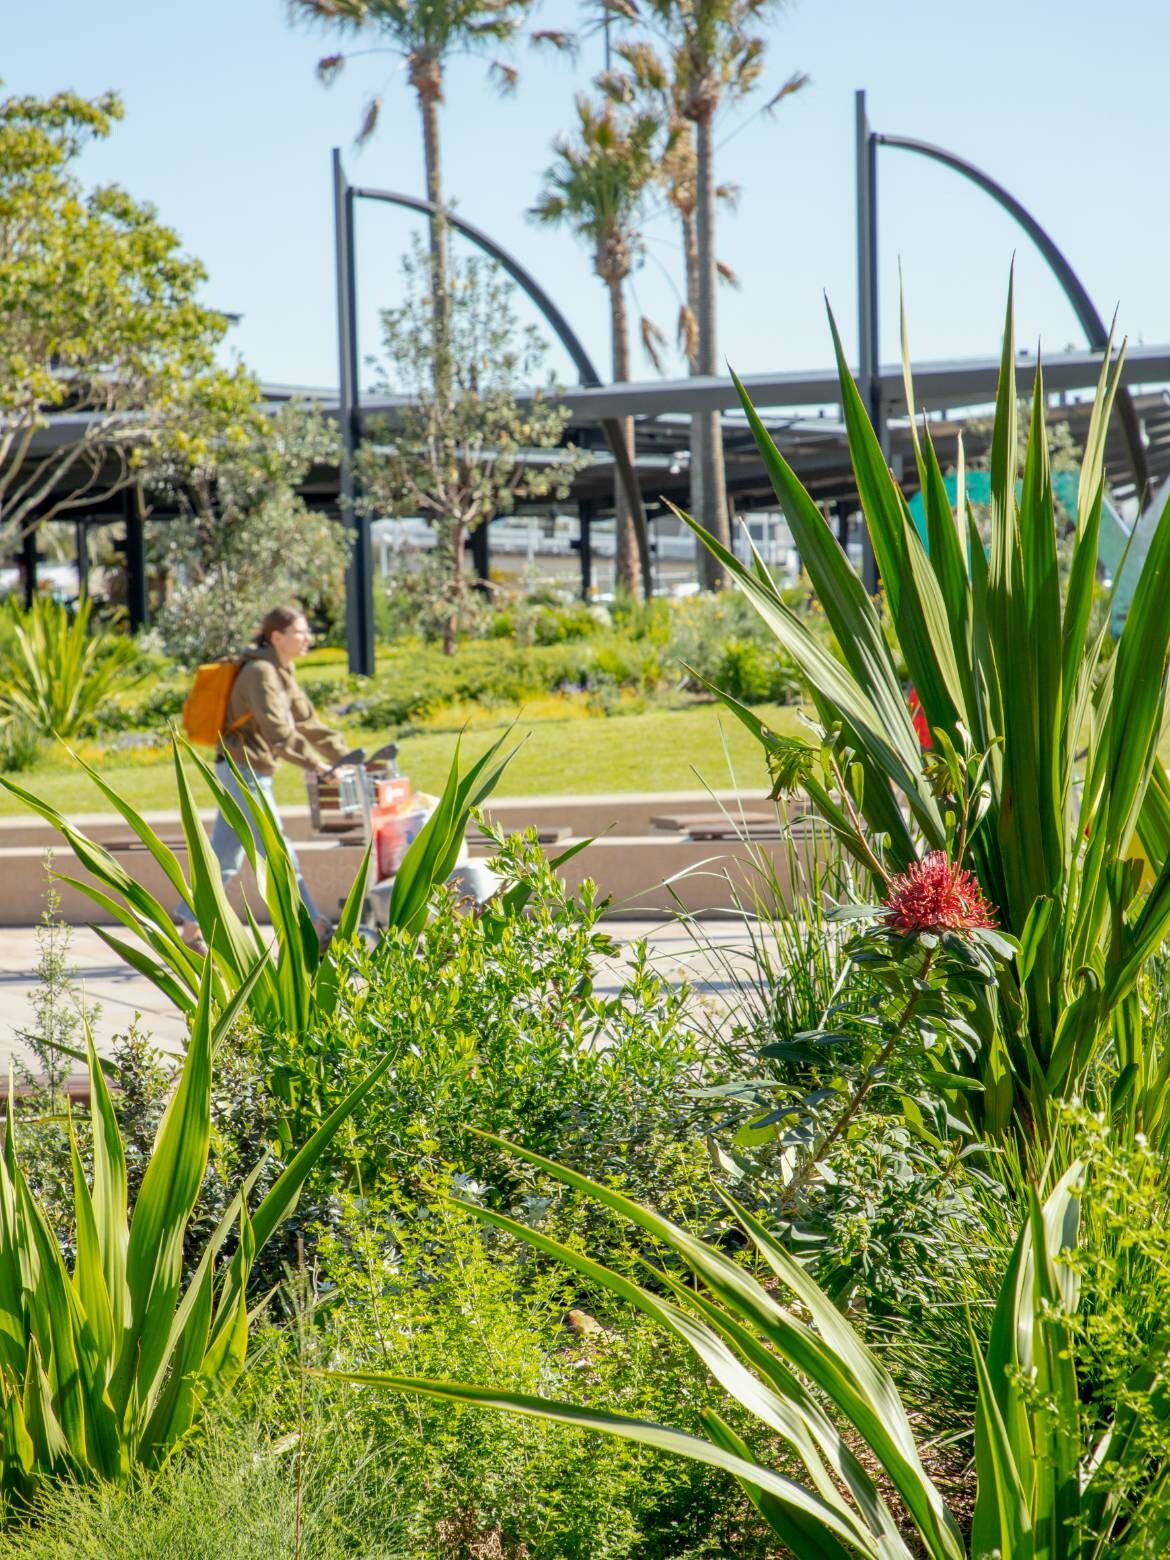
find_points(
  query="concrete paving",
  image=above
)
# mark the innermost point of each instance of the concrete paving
(114, 994)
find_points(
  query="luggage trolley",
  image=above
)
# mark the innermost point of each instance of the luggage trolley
(367, 799)
(353, 801)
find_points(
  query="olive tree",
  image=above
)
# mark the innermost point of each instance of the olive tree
(460, 457)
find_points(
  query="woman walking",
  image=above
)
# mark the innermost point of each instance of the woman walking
(269, 719)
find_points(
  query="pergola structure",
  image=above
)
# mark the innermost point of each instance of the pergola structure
(800, 411)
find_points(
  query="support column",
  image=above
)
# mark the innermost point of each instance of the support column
(868, 360)
(28, 564)
(359, 581)
(137, 605)
(842, 525)
(481, 552)
(81, 536)
(585, 516)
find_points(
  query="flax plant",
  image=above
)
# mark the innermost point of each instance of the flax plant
(109, 1366)
(56, 673)
(1009, 666)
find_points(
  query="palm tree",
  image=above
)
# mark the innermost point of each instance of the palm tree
(648, 79)
(717, 57)
(597, 187)
(426, 34)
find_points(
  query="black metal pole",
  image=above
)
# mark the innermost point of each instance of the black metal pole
(868, 360)
(585, 519)
(1074, 290)
(81, 537)
(136, 598)
(28, 559)
(359, 585)
(481, 551)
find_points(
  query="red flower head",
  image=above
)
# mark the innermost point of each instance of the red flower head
(937, 895)
(919, 722)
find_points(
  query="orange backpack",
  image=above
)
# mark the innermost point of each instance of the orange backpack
(205, 709)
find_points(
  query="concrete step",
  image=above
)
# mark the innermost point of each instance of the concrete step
(619, 812)
(643, 874)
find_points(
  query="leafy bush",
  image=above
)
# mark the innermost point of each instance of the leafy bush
(748, 672)
(155, 712)
(560, 625)
(490, 1022)
(1052, 1473)
(418, 599)
(21, 746)
(414, 682)
(55, 675)
(293, 1465)
(419, 1288)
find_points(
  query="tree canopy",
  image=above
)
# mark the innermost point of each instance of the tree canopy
(100, 319)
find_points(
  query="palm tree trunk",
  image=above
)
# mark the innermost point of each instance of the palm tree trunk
(429, 87)
(714, 511)
(698, 463)
(627, 575)
(457, 539)
(426, 76)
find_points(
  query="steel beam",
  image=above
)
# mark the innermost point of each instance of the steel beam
(1082, 305)
(868, 360)
(359, 590)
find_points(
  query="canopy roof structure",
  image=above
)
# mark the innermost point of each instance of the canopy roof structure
(800, 411)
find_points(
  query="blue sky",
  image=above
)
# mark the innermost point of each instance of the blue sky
(229, 134)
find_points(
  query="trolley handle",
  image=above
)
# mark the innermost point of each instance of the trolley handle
(357, 756)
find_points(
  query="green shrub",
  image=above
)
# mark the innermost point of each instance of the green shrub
(490, 1023)
(755, 675)
(1060, 1466)
(294, 1466)
(155, 712)
(559, 625)
(419, 1288)
(21, 746)
(414, 681)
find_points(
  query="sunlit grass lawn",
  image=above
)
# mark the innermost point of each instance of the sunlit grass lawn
(565, 751)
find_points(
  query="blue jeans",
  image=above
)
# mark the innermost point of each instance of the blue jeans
(229, 851)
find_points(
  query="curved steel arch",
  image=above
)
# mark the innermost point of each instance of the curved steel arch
(586, 371)
(1083, 307)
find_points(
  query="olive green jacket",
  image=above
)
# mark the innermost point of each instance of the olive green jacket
(269, 718)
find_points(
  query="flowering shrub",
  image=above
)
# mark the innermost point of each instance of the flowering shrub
(936, 895)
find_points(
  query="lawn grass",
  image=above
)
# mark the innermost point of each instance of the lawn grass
(573, 753)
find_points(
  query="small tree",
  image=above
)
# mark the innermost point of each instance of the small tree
(58, 1007)
(99, 317)
(597, 187)
(245, 540)
(459, 459)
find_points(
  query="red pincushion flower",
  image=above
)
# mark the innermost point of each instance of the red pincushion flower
(919, 722)
(937, 895)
